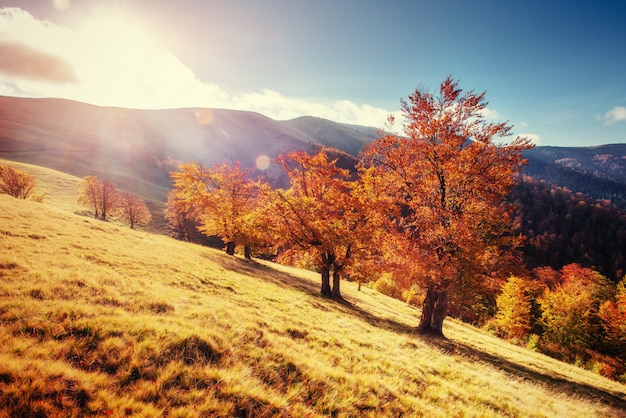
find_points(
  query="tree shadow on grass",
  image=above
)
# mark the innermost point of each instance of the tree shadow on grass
(268, 274)
(556, 382)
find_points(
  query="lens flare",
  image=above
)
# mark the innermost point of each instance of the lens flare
(61, 5)
(262, 162)
(204, 116)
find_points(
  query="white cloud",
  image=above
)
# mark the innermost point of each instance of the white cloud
(534, 138)
(126, 67)
(523, 124)
(491, 114)
(617, 114)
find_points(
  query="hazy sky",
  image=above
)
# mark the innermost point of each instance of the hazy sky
(556, 70)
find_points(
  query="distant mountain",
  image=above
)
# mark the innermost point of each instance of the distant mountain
(347, 138)
(139, 147)
(598, 172)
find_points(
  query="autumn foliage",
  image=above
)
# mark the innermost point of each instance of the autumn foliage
(133, 209)
(16, 183)
(223, 199)
(99, 195)
(449, 179)
(424, 213)
(326, 215)
(104, 199)
(574, 314)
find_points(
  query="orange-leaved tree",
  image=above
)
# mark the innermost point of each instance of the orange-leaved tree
(449, 177)
(102, 196)
(16, 183)
(613, 316)
(324, 214)
(133, 209)
(181, 217)
(570, 312)
(223, 198)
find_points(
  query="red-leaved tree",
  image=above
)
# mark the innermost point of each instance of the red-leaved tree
(449, 179)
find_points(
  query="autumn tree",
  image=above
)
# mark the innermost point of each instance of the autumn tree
(133, 209)
(517, 307)
(222, 198)
(102, 196)
(16, 183)
(613, 316)
(180, 216)
(570, 312)
(325, 215)
(449, 178)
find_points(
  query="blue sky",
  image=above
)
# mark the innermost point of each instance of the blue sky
(556, 70)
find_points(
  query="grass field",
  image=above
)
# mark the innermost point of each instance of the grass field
(97, 319)
(61, 191)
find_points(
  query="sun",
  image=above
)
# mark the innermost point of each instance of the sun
(119, 52)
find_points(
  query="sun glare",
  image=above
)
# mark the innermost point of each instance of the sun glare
(119, 52)
(61, 5)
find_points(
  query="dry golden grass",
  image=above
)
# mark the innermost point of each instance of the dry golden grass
(61, 191)
(98, 319)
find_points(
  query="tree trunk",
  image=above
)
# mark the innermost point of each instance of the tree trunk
(247, 252)
(327, 261)
(427, 311)
(336, 282)
(326, 280)
(434, 311)
(230, 248)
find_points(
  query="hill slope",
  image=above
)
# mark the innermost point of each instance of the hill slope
(136, 147)
(598, 172)
(99, 319)
(347, 138)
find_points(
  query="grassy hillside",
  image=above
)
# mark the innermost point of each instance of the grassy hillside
(98, 319)
(61, 191)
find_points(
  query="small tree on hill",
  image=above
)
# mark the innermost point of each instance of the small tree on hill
(133, 209)
(102, 196)
(16, 183)
(222, 198)
(449, 179)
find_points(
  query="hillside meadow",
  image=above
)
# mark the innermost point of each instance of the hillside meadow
(97, 319)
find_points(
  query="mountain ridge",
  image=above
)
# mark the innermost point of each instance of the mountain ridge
(139, 147)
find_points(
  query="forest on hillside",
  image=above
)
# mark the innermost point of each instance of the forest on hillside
(562, 227)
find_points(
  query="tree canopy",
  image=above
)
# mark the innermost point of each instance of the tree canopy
(448, 178)
(223, 198)
(16, 183)
(101, 195)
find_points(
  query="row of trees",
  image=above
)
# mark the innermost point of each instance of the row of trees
(99, 195)
(575, 314)
(104, 199)
(428, 207)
